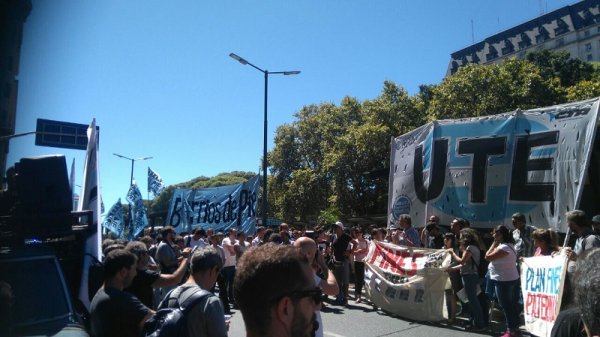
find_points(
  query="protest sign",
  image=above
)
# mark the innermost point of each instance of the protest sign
(542, 282)
(220, 208)
(405, 281)
(486, 168)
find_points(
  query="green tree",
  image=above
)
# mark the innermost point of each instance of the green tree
(481, 90)
(560, 65)
(583, 90)
(335, 151)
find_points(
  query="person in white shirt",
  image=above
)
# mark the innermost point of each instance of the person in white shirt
(241, 245)
(503, 271)
(228, 271)
(260, 236)
(196, 239)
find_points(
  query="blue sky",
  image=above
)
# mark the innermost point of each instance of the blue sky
(157, 77)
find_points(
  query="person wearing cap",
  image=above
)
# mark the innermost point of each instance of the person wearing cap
(522, 235)
(596, 224)
(341, 263)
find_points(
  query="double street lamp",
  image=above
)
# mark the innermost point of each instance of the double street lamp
(133, 160)
(265, 164)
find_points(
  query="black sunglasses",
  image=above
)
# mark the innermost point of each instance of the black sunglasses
(316, 294)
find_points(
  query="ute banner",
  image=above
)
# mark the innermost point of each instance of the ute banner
(219, 208)
(542, 282)
(484, 169)
(405, 281)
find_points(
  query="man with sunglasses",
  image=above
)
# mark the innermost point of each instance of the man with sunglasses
(276, 293)
(207, 316)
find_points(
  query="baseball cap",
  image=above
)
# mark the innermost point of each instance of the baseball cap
(340, 224)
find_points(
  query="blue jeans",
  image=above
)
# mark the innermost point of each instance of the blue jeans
(471, 283)
(508, 297)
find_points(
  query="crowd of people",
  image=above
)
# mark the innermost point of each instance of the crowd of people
(279, 277)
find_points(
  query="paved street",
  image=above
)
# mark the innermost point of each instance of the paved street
(360, 320)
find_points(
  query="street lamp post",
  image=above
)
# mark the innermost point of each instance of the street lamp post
(133, 160)
(265, 164)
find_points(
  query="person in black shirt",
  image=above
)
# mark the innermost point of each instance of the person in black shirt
(114, 312)
(341, 263)
(146, 279)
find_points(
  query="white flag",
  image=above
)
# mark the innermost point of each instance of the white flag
(90, 200)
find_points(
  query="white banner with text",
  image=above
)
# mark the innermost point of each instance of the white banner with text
(405, 281)
(542, 283)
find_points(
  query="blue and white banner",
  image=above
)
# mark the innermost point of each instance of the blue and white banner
(485, 169)
(134, 195)
(220, 208)
(113, 221)
(155, 182)
(138, 215)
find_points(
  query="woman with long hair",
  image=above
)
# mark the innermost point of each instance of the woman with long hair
(360, 248)
(454, 280)
(545, 241)
(469, 246)
(503, 272)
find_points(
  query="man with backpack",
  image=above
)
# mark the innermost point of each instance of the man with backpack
(197, 238)
(203, 313)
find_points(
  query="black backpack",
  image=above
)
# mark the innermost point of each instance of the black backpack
(172, 321)
(482, 264)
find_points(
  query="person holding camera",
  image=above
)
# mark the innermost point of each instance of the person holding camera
(341, 263)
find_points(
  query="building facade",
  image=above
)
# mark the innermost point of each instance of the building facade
(13, 14)
(574, 28)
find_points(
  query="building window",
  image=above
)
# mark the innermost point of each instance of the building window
(586, 33)
(562, 27)
(560, 42)
(454, 68)
(543, 35)
(588, 47)
(589, 57)
(492, 53)
(525, 41)
(508, 47)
